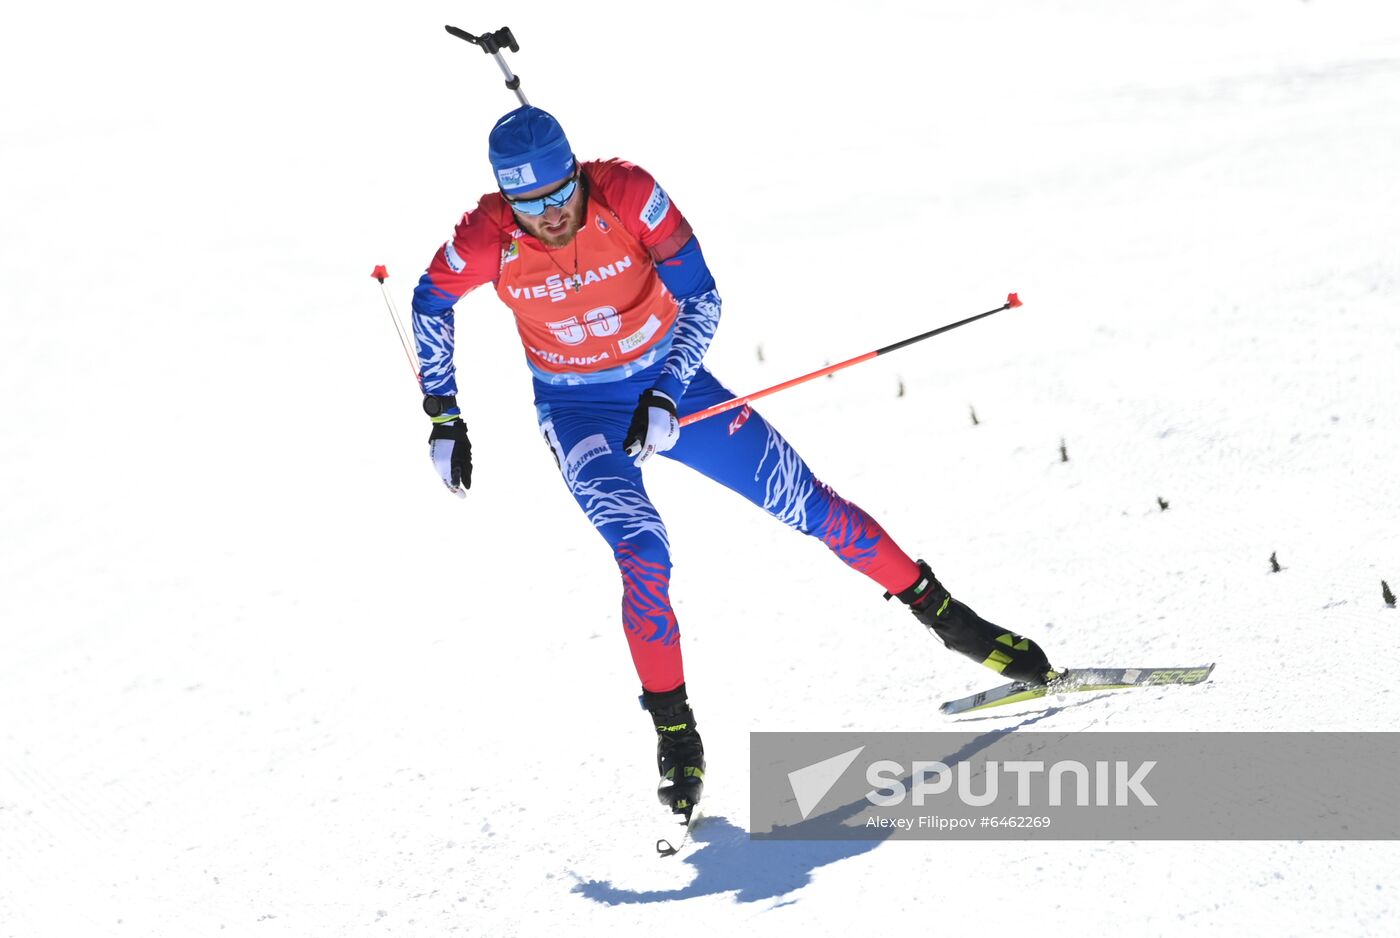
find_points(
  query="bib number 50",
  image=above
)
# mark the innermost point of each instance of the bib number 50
(601, 322)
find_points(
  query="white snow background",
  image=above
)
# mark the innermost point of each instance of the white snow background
(260, 675)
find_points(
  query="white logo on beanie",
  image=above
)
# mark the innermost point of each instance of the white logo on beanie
(515, 177)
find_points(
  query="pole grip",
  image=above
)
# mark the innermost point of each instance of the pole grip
(490, 43)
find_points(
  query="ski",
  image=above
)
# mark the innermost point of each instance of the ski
(1077, 680)
(690, 819)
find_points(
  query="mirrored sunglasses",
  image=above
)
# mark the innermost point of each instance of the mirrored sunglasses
(557, 198)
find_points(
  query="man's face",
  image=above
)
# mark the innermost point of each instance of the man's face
(559, 223)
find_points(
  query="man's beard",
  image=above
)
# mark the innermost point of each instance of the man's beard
(563, 240)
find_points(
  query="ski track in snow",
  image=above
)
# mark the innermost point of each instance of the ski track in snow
(260, 677)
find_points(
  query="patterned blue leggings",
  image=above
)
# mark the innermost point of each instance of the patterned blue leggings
(585, 426)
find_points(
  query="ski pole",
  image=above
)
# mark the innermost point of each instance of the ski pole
(381, 274)
(491, 44)
(1012, 301)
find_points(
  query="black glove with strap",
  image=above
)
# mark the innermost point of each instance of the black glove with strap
(451, 452)
(654, 427)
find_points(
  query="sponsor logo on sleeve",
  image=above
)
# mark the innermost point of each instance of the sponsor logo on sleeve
(511, 253)
(656, 208)
(513, 177)
(454, 260)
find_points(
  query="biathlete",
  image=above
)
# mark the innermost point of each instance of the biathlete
(616, 308)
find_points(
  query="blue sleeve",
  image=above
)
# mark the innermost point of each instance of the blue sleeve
(688, 278)
(433, 333)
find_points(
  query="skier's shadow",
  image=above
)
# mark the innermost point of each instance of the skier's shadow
(730, 861)
(754, 870)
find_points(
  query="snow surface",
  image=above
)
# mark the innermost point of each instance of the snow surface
(260, 675)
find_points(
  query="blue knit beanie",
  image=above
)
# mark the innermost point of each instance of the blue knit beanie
(529, 150)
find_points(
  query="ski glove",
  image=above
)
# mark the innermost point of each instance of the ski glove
(452, 455)
(654, 427)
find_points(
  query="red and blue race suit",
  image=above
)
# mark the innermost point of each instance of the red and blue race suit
(630, 305)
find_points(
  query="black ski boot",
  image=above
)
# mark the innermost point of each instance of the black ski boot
(680, 755)
(967, 633)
